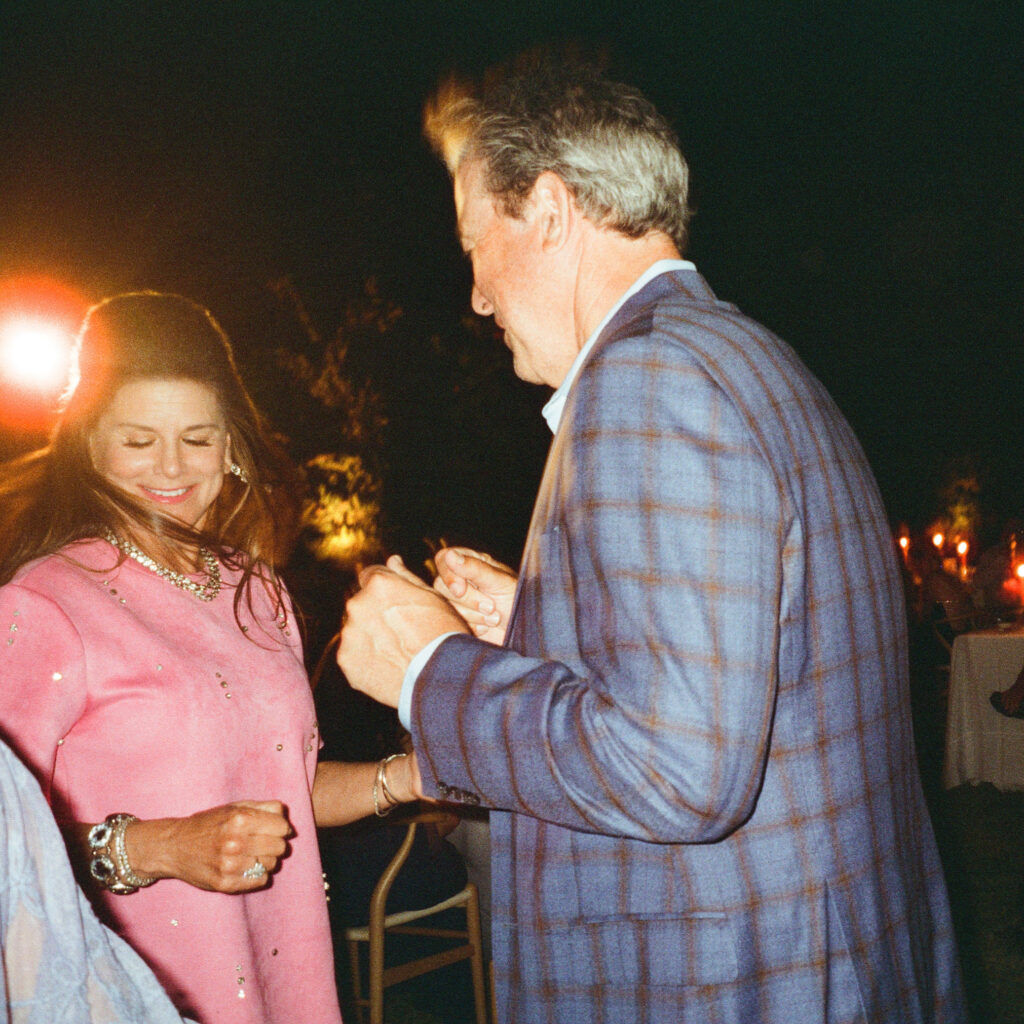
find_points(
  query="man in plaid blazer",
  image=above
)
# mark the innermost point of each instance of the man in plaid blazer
(693, 721)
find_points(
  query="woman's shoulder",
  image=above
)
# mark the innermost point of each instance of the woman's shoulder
(76, 562)
(61, 587)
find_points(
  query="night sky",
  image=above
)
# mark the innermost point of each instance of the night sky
(857, 175)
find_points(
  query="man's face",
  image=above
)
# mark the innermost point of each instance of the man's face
(513, 279)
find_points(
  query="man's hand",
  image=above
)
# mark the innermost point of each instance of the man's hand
(480, 588)
(387, 623)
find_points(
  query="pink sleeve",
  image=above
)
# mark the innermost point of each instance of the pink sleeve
(42, 678)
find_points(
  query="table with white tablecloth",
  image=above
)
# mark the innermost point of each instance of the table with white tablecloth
(981, 744)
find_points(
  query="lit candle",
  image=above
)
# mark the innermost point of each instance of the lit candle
(938, 540)
(904, 543)
(961, 550)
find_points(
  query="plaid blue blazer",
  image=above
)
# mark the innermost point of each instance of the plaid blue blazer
(698, 735)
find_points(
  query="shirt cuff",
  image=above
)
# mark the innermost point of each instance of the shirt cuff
(412, 673)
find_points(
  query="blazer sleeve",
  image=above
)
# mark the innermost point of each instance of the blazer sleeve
(656, 581)
(42, 678)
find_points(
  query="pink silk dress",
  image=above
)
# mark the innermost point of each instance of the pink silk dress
(124, 693)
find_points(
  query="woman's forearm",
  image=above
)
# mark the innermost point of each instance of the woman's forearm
(347, 791)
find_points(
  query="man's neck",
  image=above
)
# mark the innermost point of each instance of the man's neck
(609, 264)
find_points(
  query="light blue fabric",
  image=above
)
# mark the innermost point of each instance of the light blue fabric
(412, 674)
(60, 964)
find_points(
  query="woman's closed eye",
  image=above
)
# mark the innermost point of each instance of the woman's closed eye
(146, 442)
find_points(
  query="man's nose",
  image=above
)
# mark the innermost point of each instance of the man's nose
(481, 306)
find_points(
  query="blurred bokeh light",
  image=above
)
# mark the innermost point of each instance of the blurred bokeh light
(34, 353)
(38, 321)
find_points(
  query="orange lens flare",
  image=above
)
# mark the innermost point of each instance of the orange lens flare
(38, 321)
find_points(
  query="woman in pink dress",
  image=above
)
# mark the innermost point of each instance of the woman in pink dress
(151, 671)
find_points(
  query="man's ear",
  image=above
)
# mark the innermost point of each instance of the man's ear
(556, 210)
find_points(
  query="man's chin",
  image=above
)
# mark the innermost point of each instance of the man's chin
(520, 366)
(525, 373)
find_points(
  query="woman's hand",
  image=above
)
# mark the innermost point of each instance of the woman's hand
(213, 849)
(480, 587)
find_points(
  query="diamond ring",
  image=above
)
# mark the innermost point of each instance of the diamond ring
(256, 871)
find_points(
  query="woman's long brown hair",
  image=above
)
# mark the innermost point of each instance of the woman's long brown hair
(54, 496)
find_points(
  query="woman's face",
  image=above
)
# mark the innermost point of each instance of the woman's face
(165, 442)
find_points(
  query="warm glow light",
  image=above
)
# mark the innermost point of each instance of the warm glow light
(1020, 571)
(34, 353)
(938, 540)
(961, 548)
(904, 543)
(39, 318)
(342, 511)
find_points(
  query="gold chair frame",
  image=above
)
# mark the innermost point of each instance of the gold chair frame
(401, 922)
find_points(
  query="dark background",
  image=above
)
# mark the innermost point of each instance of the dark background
(857, 177)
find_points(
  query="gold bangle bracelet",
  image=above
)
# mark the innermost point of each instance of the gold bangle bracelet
(388, 795)
(378, 779)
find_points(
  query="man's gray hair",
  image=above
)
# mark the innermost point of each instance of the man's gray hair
(614, 151)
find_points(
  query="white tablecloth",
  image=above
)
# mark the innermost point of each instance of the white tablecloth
(981, 744)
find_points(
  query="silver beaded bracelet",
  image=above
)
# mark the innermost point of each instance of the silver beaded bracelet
(109, 863)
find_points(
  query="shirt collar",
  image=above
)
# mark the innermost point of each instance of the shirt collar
(552, 411)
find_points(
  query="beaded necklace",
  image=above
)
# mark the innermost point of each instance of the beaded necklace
(203, 591)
